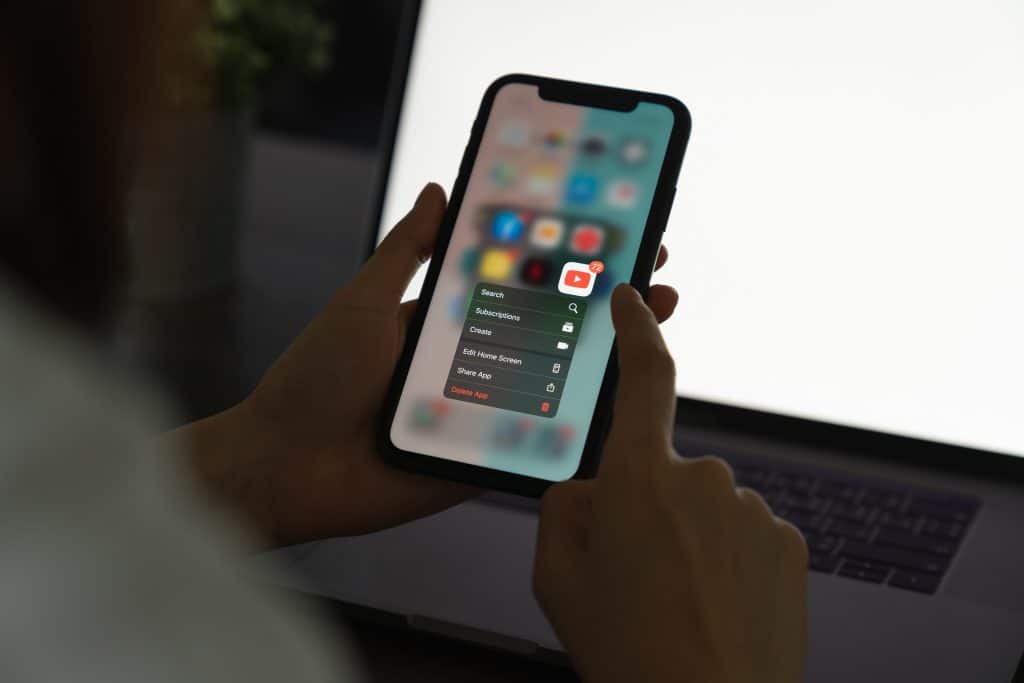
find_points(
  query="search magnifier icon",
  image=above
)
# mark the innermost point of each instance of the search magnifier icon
(574, 308)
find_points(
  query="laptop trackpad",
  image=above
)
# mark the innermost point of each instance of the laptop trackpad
(863, 632)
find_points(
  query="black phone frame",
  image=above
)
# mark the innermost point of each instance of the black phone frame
(571, 92)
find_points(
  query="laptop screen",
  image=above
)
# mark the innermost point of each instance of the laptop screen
(848, 233)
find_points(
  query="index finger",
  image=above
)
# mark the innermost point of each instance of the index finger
(645, 402)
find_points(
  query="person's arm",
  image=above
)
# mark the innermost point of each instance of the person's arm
(660, 569)
(298, 458)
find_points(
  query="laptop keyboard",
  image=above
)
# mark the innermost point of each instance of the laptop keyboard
(869, 530)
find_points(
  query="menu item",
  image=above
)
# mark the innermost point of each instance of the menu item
(515, 349)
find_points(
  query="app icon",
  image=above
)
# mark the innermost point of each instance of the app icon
(562, 346)
(587, 240)
(457, 308)
(496, 264)
(582, 189)
(535, 271)
(551, 387)
(504, 174)
(507, 226)
(621, 194)
(576, 279)
(510, 433)
(470, 260)
(556, 368)
(633, 152)
(542, 179)
(429, 414)
(553, 441)
(547, 233)
(514, 134)
(545, 407)
(568, 327)
(555, 139)
(594, 145)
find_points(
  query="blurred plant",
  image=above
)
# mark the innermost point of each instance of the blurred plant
(241, 44)
(246, 41)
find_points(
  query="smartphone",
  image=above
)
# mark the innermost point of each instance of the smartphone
(507, 374)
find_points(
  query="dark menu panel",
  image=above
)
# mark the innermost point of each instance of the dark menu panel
(515, 349)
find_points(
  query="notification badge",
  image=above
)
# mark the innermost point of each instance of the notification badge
(577, 279)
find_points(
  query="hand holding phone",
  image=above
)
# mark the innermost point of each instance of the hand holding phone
(563, 192)
(299, 458)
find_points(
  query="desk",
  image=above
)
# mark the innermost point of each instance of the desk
(397, 656)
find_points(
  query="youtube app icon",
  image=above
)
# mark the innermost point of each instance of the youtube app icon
(577, 279)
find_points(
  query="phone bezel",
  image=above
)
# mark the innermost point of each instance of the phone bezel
(573, 93)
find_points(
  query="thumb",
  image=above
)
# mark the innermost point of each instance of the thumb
(645, 401)
(386, 275)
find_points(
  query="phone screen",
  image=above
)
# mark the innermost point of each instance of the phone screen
(517, 335)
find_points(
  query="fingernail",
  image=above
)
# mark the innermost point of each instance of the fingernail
(419, 197)
(423, 192)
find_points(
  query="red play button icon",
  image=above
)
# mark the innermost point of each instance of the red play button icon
(577, 279)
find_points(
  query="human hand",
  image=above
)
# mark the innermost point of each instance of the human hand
(660, 569)
(299, 457)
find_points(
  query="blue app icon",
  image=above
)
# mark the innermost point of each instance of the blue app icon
(582, 189)
(457, 308)
(507, 226)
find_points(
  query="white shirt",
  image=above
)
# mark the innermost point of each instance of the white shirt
(111, 568)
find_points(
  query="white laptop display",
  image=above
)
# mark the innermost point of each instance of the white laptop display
(848, 232)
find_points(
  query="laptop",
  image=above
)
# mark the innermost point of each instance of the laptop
(846, 240)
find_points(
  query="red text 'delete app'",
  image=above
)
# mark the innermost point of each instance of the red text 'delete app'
(577, 279)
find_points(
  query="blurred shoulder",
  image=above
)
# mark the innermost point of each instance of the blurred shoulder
(60, 390)
(105, 534)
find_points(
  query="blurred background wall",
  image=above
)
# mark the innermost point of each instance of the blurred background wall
(259, 210)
